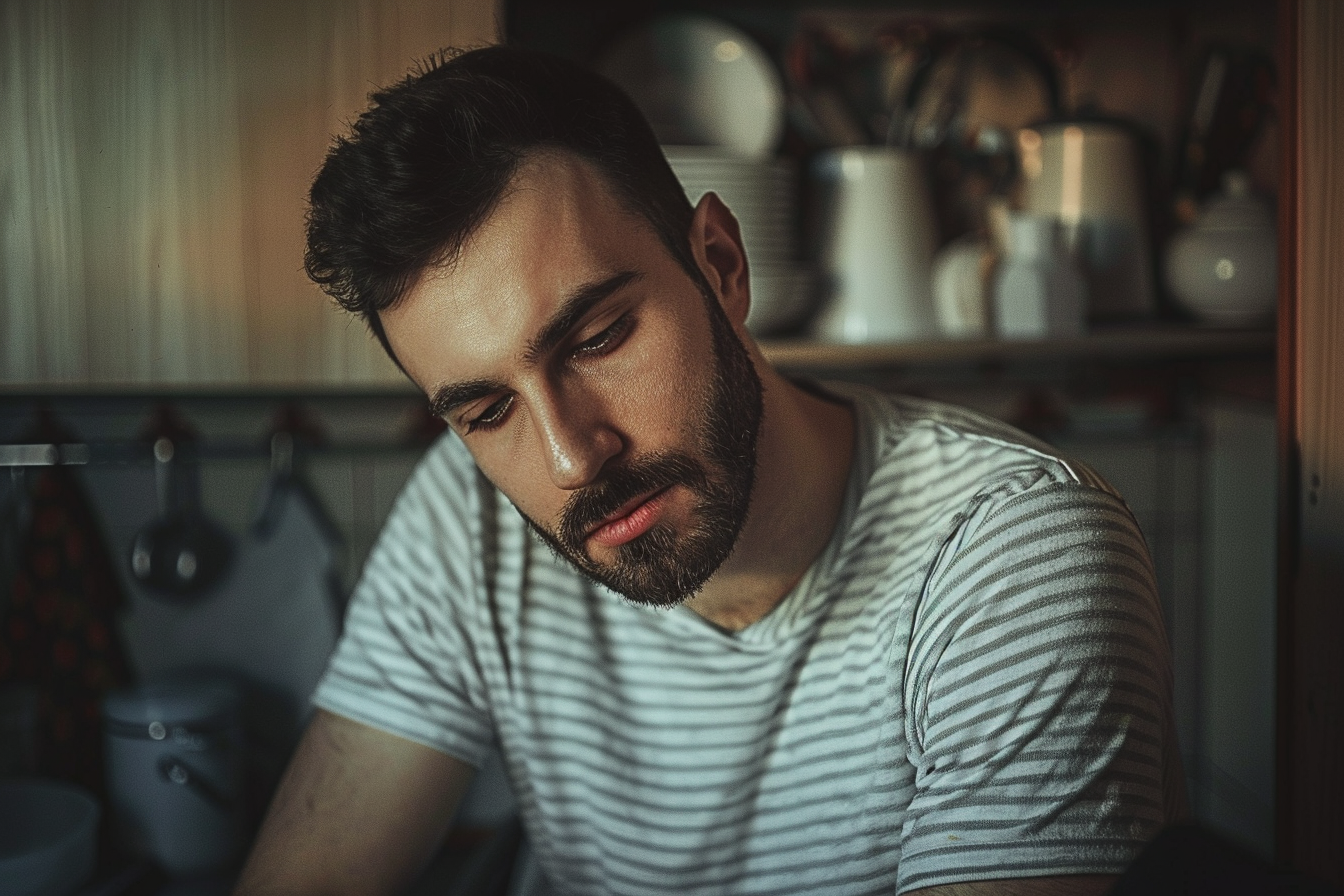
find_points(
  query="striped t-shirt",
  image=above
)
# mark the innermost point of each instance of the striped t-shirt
(971, 682)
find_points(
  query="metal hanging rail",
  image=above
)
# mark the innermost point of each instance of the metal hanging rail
(280, 449)
(40, 455)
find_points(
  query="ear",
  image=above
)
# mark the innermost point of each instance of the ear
(716, 243)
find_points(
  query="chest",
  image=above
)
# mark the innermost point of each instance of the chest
(643, 749)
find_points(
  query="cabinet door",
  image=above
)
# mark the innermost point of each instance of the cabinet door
(156, 159)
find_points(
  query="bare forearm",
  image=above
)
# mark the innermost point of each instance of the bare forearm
(358, 812)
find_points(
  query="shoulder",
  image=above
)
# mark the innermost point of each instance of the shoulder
(443, 491)
(934, 471)
(930, 438)
(430, 542)
(1050, 579)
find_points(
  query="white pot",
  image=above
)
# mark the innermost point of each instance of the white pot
(1224, 267)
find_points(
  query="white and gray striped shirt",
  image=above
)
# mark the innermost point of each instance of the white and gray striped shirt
(972, 681)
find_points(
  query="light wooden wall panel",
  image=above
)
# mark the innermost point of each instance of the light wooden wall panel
(1312, 774)
(153, 173)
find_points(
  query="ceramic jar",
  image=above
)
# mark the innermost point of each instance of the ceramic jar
(1224, 267)
(1039, 292)
(959, 287)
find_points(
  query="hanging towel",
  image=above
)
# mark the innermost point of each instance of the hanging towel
(59, 627)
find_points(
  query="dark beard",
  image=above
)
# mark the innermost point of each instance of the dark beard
(663, 567)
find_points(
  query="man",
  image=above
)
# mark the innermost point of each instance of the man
(728, 632)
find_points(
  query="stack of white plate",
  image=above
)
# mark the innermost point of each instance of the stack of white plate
(762, 195)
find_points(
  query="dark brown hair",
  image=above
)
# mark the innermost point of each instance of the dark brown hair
(429, 159)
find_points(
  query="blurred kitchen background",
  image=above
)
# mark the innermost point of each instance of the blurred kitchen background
(1059, 213)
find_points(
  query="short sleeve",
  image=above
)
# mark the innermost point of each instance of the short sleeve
(1037, 694)
(405, 661)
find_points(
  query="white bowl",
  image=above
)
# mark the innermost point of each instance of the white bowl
(48, 837)
(780, 299)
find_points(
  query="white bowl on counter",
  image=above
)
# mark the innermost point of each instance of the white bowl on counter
(48, 837)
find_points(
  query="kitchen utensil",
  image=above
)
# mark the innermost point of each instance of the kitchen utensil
(272, 620)
(700, 81)
(183, 552)
(1089, 175)
(1224, 267)
(1038, 291)
(974, 82)
(48, 837)
(1234, 94)
(175, 768)
(834, 83)
(877, 244)
(963, 104)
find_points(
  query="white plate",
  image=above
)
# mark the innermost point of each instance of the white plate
(780, 299)
(701, 81)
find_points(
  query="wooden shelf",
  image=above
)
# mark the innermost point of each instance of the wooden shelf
(1134, 345)
(1137, 344)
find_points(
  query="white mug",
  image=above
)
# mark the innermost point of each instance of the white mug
(877, 245)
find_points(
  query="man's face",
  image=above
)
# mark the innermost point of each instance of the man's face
(596, 384)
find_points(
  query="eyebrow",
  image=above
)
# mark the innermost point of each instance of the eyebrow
(451, 396)
(579, 303)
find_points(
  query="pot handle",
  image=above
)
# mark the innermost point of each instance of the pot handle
(175, 771)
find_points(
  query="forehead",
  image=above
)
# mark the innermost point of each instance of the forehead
(557, 226)
(557, 209)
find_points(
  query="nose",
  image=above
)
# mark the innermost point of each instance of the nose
(576, 438)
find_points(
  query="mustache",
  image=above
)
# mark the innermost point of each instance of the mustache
(589, 506)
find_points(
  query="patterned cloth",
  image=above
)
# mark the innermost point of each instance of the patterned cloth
(59, 628)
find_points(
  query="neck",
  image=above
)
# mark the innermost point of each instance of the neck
(803, 459)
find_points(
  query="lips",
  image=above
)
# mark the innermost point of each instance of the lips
(619, 507)
(631, 520)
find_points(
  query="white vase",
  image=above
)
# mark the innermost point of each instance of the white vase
(1039, 292)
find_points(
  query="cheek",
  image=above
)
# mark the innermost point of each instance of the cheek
(653, 397)
(524, 483)
(667, 382)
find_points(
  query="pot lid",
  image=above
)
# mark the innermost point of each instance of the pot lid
(172, 701)
(1236, 207)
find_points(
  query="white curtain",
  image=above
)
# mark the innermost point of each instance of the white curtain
(154, 158)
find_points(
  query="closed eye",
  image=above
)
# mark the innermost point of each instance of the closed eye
(605, 341)
(492, 417)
